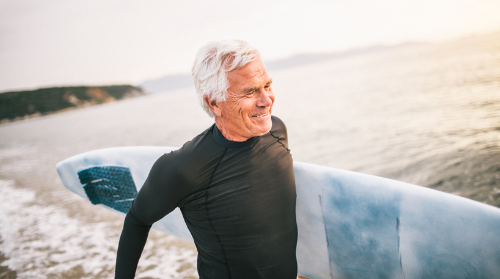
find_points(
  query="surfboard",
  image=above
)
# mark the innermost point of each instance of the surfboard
(350, 225)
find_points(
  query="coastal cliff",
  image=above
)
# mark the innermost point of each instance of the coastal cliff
(26, 104)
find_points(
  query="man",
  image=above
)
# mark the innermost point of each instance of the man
(234, 183)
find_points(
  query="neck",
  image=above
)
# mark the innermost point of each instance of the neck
(227, 133)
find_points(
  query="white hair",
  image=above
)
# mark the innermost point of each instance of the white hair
(211, 65)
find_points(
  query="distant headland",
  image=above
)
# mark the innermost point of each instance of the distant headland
(19, 105)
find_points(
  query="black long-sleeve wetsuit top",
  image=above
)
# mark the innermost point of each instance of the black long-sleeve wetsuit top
(238, 201)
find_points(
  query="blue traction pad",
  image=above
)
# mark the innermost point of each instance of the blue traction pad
(111, 185)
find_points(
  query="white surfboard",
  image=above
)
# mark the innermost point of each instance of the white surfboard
(351, 225)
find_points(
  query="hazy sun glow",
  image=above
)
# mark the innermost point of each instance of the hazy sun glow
(56, 42)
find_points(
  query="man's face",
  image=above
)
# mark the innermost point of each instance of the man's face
(246, 112)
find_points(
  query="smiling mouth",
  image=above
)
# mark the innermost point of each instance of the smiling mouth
(262, 115)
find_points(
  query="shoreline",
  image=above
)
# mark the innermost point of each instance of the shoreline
(21, 105)
(7, 121)
(6, 272)
(38, 114)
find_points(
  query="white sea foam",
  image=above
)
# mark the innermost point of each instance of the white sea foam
(44, 242)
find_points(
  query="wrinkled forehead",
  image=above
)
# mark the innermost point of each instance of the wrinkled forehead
(252, 77)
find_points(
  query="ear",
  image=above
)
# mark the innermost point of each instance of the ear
(214, 107)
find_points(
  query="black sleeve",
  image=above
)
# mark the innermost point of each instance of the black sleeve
(132, 241)
(158, 196)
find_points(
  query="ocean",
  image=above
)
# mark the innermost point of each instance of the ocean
(426, 114)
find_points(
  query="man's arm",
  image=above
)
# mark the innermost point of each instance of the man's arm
(158, 197)
(132, 241)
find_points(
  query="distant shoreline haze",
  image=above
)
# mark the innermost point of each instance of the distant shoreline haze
(18, 105)
(177, 81)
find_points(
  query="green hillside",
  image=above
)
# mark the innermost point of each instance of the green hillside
(21, 104)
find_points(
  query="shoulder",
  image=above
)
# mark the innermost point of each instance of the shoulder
(184, 163)
(279, 127)
(200, 148)
(278, 131)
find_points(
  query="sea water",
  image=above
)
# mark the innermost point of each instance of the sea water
(424, 114)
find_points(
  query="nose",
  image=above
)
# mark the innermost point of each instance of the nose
(265, 98)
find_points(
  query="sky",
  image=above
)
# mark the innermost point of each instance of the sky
(101, 42)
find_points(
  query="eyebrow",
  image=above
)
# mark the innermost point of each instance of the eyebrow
(255, 88)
